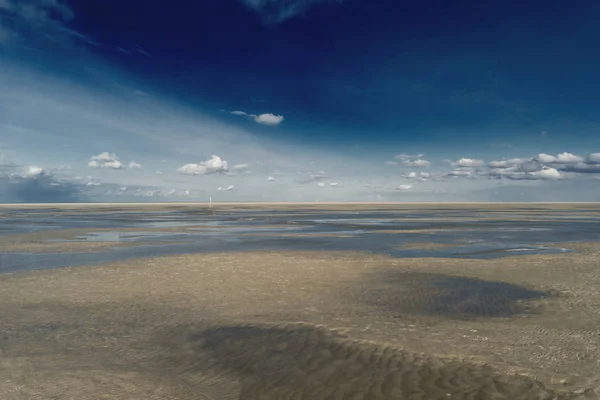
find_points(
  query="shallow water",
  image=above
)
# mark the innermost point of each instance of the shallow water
(471, 234)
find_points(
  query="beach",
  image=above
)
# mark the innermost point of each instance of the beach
(262, 324)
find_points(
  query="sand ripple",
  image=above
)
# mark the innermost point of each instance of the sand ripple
(302, 362)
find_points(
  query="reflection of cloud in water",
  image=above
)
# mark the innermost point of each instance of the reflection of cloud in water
(446, 295)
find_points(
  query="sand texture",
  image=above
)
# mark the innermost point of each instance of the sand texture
(227, 326)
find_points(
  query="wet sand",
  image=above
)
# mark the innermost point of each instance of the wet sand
(225, 326)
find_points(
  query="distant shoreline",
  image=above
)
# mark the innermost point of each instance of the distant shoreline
(261, 203)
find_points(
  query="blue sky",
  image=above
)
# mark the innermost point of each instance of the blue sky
(298, 100)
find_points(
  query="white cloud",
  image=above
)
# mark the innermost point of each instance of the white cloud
(405, 156)
(320, 184)
(269, 119)
(227, 189)
(105, 160)
(562, 158)
(264, 119)
(134, 165)
(461, 173)
(335, 184)
(509, 163)
(404, 187)
(546, 173)
(214, 165)
(468, 162)
(419, 176)
(270, 179)
(545, 166)
(36, 184)
(34, 172)
(240, 167)
(518, 173)
(417, 163)
(410, 160)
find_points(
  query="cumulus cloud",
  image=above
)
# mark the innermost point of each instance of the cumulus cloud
(545, 166)
(468, 162)
(276, 11)
(320, 184)
(562, 158)
(410, 160)
(214, 165)
(32, 172)
(34, 184)
(404, 187)
(542, 166)
(105, 160)
(271, 179)
(269, 119)
(418, 176)
(134, 165)
(546, 173)
(226, 189)
(264, 119)
(514, 173)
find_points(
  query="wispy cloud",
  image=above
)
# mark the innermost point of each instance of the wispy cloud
(38, 23)
(276, 11)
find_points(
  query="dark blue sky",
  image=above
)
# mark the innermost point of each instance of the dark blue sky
(392, 70)
(300, 99)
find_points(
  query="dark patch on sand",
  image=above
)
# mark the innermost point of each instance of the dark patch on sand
(300, 361)
(447, 295)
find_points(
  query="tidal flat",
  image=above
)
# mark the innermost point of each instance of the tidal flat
(300, 301)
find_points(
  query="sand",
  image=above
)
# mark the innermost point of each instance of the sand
(225, 326)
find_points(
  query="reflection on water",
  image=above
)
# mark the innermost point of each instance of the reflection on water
(471, 234)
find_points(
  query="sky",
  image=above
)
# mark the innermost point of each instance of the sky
(299, 100)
